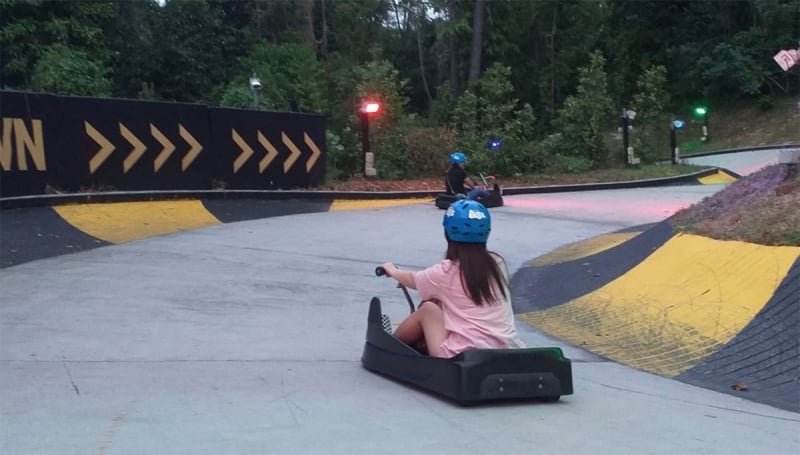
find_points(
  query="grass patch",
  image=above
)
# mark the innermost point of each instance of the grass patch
(762, 208)
(743, 125)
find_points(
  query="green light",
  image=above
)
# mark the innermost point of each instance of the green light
(700, 110)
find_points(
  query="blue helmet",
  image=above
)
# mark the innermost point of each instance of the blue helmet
(467, 221)
(458, 158)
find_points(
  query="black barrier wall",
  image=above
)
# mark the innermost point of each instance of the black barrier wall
(70, 144)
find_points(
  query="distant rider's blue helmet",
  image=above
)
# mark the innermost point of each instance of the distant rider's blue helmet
(458, 158)
(467, 221)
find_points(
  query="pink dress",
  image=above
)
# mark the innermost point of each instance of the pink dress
(469, 326)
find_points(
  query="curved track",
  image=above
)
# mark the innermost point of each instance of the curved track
(245, 337)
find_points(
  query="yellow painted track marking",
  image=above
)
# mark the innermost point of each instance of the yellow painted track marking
(582, 249)
(125, 221)
(681, 304)
(717, 178)
(362, 204)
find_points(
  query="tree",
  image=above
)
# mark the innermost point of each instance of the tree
(544, 41)
(357, 27)
(584, 119)
(291, 79)
(134, 43)
(650, 103)
(197, 49)
(68, 72)
(312, 56)
(30, 29)
(492, 112)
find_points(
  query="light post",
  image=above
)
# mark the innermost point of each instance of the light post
(368, 108)
(627, 116)
(702, 112)
(255, 86)
(675, 153)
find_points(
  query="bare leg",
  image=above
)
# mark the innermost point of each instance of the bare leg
(425, 324)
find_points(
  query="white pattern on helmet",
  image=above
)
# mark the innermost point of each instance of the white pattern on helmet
(476, 215)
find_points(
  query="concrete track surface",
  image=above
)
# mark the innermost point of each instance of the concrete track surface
(245, 338)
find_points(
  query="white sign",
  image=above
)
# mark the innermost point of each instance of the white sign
(787, 59)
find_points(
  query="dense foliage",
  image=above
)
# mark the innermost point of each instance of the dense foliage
(547, 77)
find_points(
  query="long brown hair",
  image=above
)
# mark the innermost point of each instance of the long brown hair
(481, 277)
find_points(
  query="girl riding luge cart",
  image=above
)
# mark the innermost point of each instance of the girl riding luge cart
(465, 297)
(461, 341)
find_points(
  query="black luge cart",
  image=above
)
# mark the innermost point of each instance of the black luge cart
(493, 199)
(472, 377)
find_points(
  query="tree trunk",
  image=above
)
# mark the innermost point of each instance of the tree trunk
(308, 16)
(452, 42)
(553, 30)
(477, 44)
(420, 21)
(323, 42)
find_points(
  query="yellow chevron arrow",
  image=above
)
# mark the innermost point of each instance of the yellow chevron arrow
(106, 147)
(247, 152)
(166, 152)
(271, 153)
(136, 153)
(195, 149)
(315, 152)
(293, 156)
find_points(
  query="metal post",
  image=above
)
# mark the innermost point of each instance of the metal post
(255, 86)
(673, 144)
(365, 138)
(625, 140)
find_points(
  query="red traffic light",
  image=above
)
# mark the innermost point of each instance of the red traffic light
(370, 107)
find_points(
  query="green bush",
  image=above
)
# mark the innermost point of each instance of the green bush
(381, 81)
(338, 159)
(70, 72)
(650, 138)
(585, 116)
(429, 149)
(561, 164)
(443, 105)
(491, 112)
(290, 80)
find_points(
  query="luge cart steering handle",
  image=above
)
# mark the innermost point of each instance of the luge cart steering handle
(380, 271)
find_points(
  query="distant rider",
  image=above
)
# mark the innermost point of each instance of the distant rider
(458, 182)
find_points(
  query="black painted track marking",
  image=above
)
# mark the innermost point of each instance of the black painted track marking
(37, 233)
(765, 355)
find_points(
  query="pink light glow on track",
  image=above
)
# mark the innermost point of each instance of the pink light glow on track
(605, 206)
